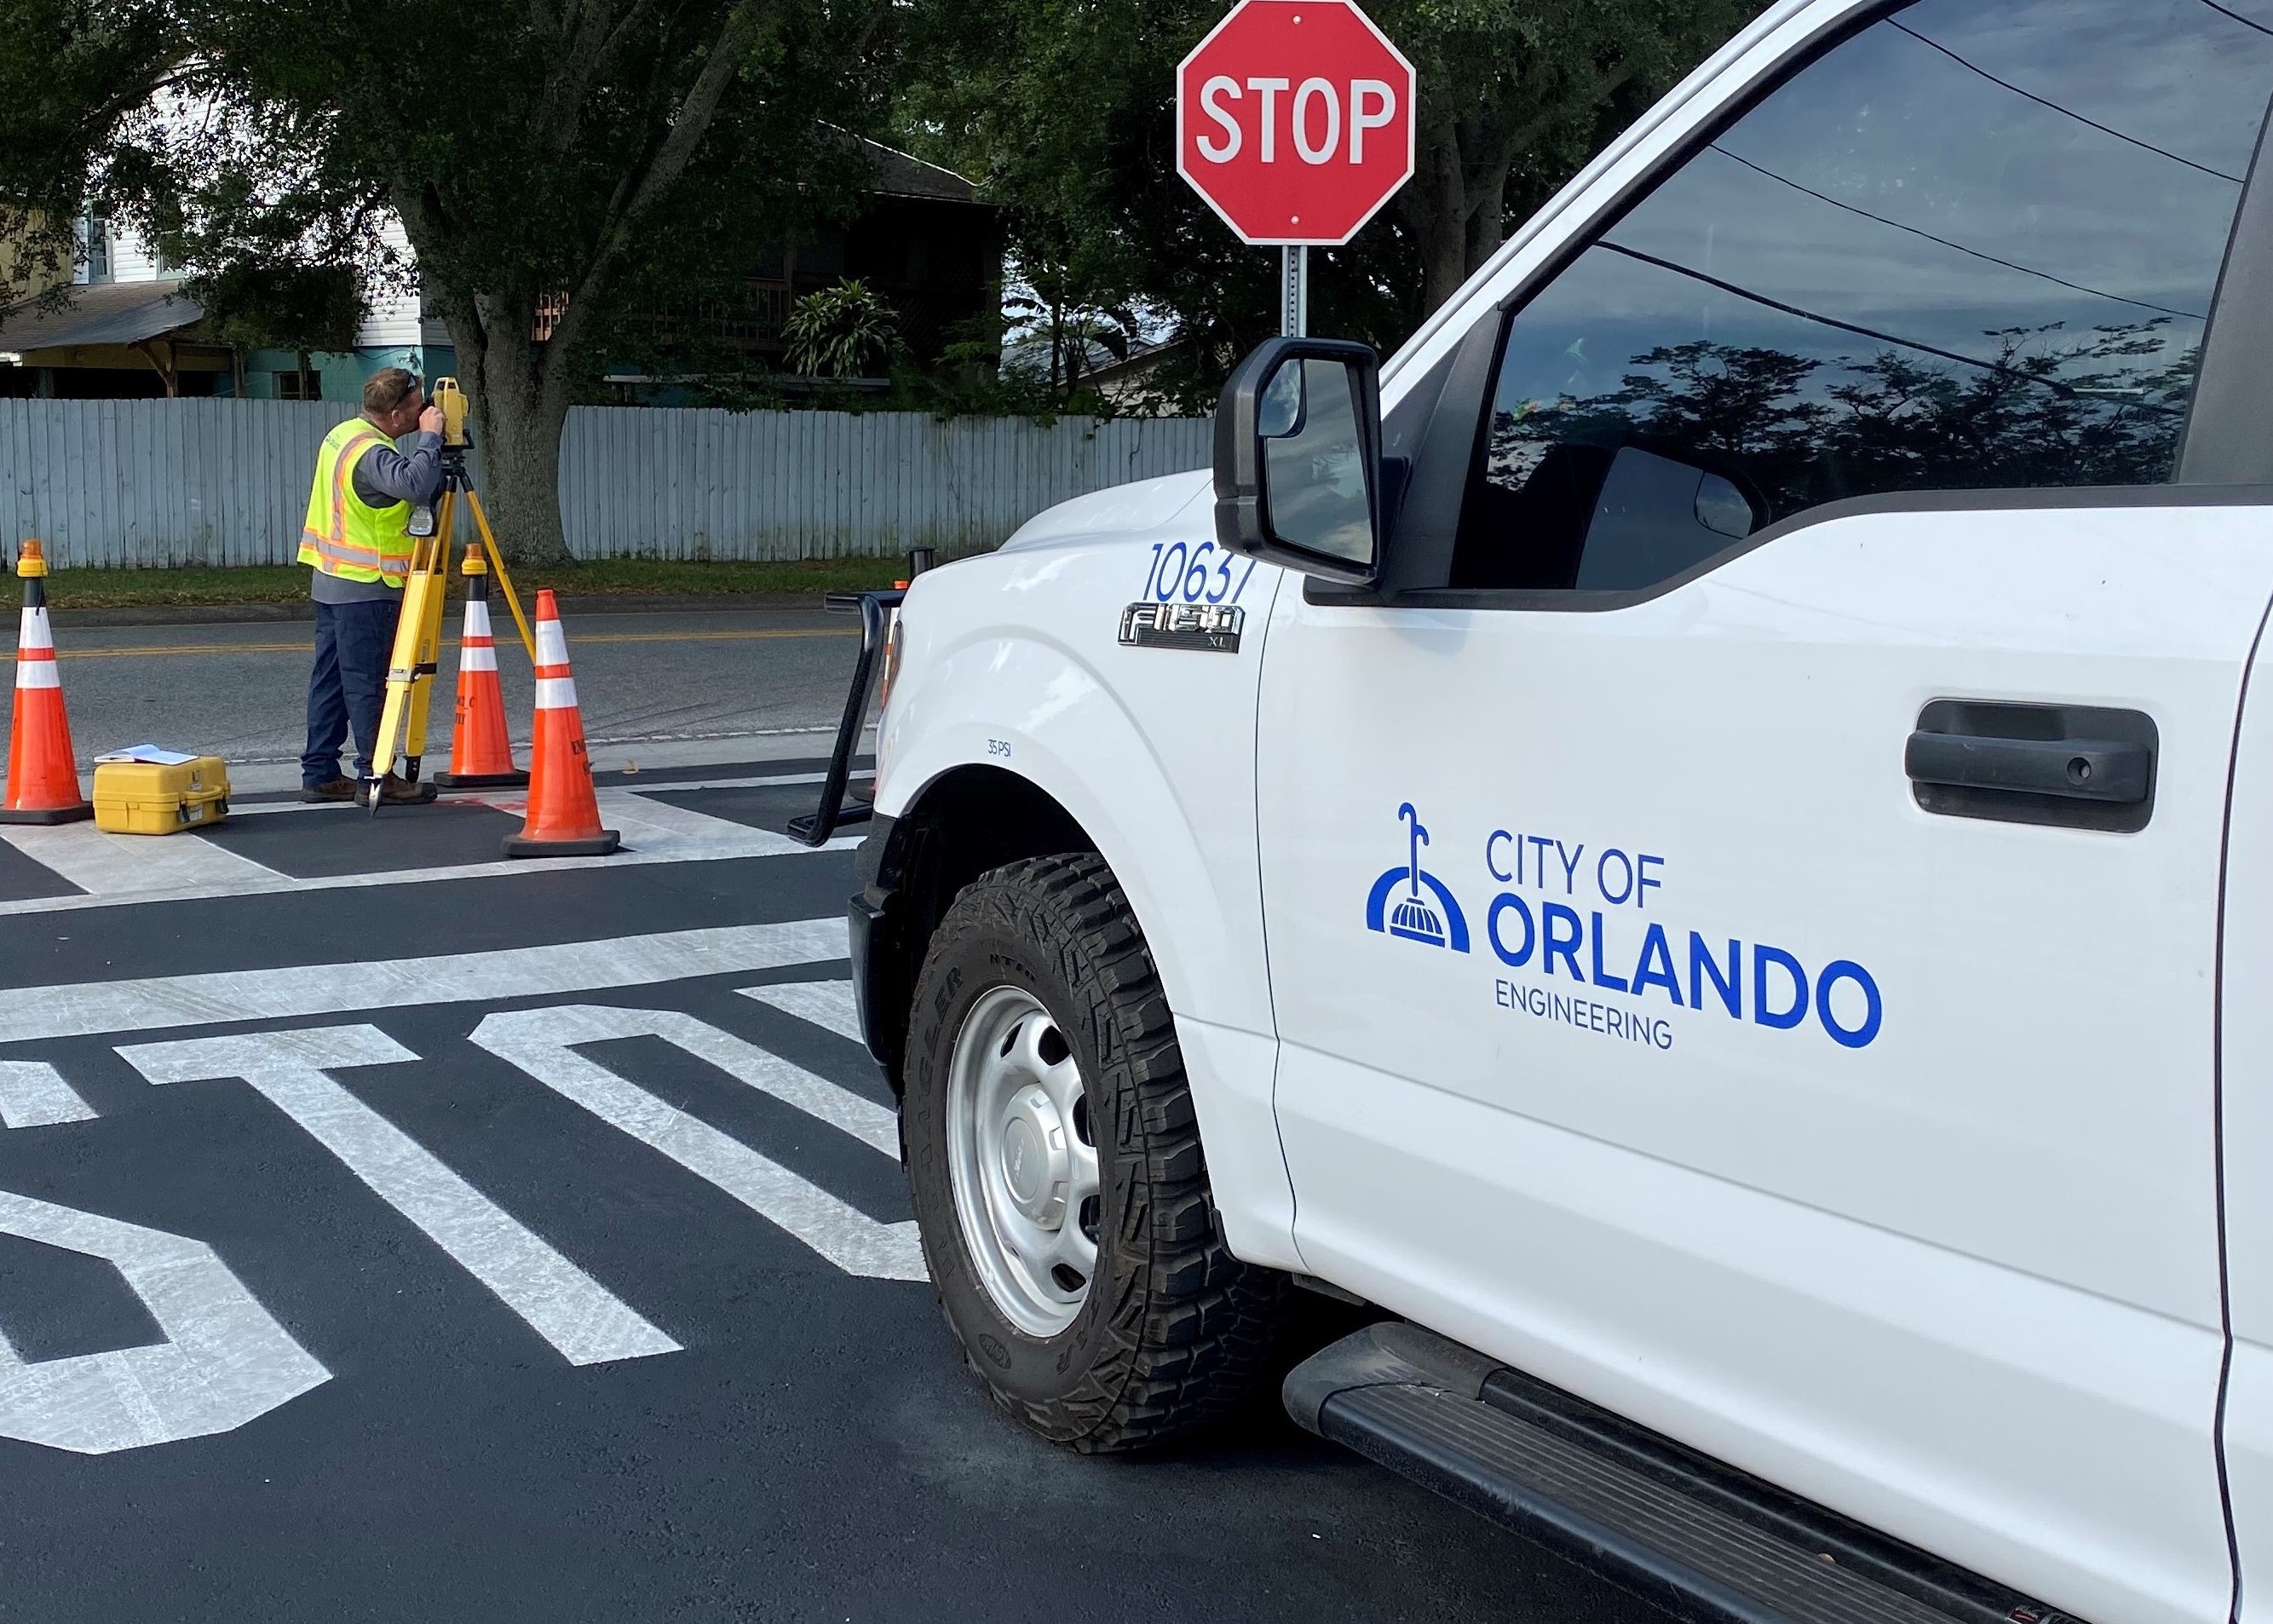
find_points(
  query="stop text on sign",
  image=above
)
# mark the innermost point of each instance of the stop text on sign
(1373, 105)
(1294, 119)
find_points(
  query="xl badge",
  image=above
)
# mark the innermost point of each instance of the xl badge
(1213, 627)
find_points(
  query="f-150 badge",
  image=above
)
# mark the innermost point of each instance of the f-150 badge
(1212, 628)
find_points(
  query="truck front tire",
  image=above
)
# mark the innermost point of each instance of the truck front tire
(1054, 1162)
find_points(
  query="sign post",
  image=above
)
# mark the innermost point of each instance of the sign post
(1295, 120)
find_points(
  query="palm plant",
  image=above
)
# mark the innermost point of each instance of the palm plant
(844, 331)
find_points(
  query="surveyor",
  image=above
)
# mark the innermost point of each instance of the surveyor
(357, 537)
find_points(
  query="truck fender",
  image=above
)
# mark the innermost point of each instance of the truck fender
(1021, 728)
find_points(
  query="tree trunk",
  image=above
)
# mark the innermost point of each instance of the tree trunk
(1437, 210)
(520, 403)
(1487, 216)
(521, 460)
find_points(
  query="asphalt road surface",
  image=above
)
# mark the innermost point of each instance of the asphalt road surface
(673, 679)
(390, 1232)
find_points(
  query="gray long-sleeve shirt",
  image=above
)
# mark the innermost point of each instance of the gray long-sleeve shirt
(385, 476)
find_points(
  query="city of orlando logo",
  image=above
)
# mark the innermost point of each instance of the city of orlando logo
(1397, 906)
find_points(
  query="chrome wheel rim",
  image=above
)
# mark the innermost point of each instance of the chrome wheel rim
(1023, 1160)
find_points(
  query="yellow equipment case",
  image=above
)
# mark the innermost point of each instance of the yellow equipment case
(151, 798)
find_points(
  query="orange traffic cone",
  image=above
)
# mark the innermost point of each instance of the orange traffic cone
(564, 813)
(43, 771)
(481, 755)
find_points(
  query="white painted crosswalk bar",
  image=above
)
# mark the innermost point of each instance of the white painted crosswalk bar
(254, 880)
(873, 1125)
(34, 1094)
(828, 1005)
(109, 864)
(652, 825)
(223, 1361)
(86, 1008)
(583, 1320)
(539, 1042)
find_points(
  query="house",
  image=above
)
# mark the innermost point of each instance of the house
(1122, 373)
(125, 329)
(113, 340)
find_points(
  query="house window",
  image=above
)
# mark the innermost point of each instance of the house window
(301, 386)
(94, 234)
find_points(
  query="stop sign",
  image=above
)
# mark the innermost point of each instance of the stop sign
(1295, 120)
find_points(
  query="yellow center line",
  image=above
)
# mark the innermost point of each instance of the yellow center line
(727, 636)
(165, 650)
(188, 648)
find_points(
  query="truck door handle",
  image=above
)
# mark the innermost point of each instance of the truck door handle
(2078, 766)
(2085, 769)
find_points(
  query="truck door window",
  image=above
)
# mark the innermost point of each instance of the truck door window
(1971, 246)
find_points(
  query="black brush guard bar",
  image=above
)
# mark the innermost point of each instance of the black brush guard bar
(875, 612)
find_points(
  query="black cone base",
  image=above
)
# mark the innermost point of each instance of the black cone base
(52, 814)
(480, 780)
(520, 845)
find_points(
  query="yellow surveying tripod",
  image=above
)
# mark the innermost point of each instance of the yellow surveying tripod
(418, 634)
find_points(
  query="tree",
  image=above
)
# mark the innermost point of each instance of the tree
(549, 160)
(281, 303)
(1514, 97)
(74, 74)
(1064, 109)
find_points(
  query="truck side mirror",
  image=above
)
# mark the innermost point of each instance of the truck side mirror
(1298, 467)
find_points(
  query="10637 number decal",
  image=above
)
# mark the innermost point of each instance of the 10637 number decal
(1200, 575)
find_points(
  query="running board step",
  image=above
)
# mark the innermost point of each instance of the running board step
(1694, 1537)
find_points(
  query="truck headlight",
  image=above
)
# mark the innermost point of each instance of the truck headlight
(892, 636)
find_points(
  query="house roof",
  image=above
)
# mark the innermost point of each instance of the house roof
(119, 312)
(903, 175)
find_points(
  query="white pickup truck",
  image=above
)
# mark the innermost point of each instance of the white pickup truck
(1703, 841)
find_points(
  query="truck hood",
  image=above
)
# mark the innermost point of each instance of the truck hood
(1122, 510)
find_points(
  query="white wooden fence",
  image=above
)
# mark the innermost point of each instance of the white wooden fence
(152, 484)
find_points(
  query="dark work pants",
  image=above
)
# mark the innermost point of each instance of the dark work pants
(348, 685)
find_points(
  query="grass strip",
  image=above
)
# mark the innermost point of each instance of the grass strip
(271, 583)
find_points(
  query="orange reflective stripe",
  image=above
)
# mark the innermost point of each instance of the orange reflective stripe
(355, 555)
(343, 470)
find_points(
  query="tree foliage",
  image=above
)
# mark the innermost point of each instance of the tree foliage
(281, 303)
(77, 77)
(1517, 95)
(553, 162)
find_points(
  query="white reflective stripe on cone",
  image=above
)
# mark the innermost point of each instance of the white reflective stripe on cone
(556, 693)
(477, 618)
(38, 674)
(551, 646)
(32, 630)
(477, 659)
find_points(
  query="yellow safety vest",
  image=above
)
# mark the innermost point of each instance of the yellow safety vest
(343, 536)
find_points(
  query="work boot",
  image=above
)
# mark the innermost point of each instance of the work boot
(334, 789)
(397, 791)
